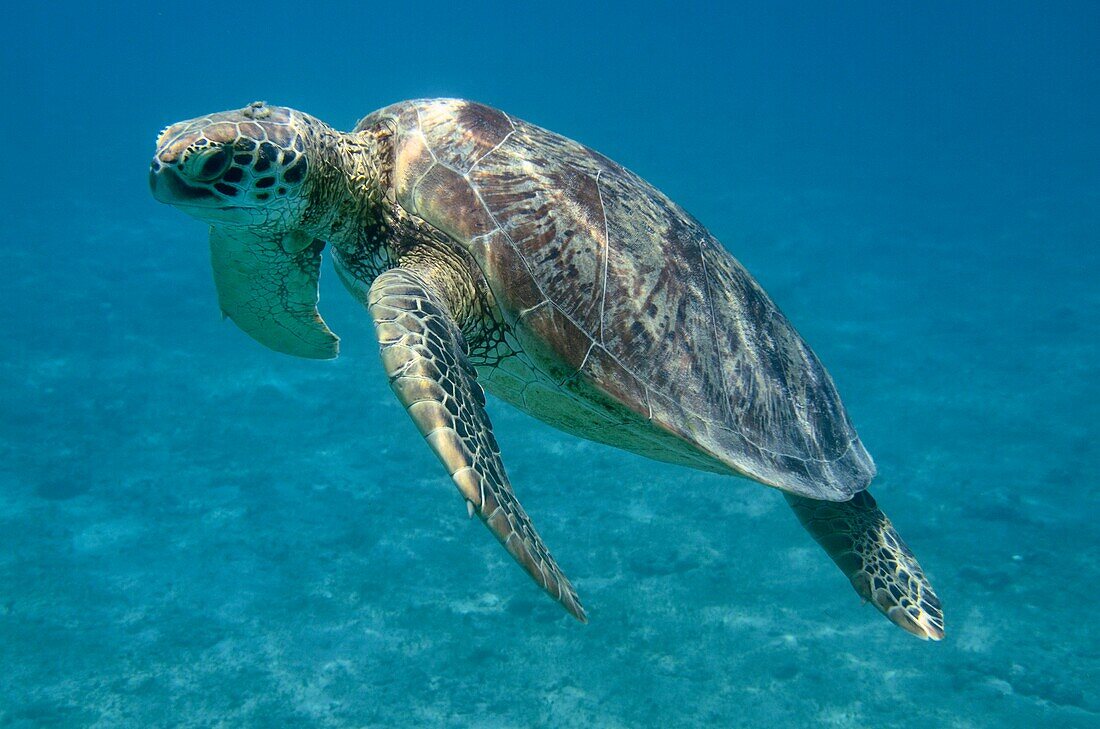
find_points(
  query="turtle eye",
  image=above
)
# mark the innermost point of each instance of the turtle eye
(207, 165)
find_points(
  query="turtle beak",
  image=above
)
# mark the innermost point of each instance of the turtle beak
(168, 187)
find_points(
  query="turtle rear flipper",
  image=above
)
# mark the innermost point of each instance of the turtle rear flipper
(882, 569)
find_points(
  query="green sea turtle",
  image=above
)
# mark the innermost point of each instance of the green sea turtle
(493, 253)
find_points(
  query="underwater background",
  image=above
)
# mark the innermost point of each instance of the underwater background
(195, 531)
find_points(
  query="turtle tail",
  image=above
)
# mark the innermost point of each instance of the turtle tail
(864, 544)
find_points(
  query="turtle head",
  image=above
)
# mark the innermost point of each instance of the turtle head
(247, 174)
(246, 167)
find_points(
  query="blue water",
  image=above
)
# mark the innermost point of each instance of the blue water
(195, 531)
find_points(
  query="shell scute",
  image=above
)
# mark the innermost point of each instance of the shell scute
(462, 134)
(556, 344)
(605, 373)
(412, 160)
(506, 272)
(558, 228)
(445, 197)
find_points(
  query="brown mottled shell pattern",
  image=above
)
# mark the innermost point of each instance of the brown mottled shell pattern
(622, 300)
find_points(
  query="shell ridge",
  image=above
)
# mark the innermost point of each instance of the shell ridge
(605, 251)
(719, 350)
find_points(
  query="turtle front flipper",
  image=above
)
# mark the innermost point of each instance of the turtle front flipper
(882, 569)
(268, 287)
(424, 354)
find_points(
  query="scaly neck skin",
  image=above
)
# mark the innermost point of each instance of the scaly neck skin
(346, 191)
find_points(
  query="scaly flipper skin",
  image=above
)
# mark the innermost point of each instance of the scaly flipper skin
(864, 544)
(268, 287)
(424, 355)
